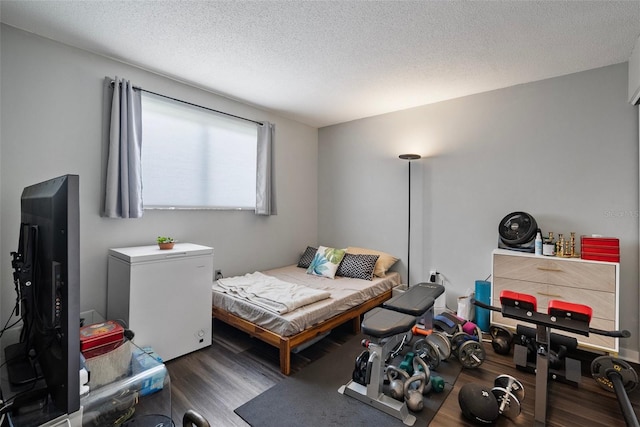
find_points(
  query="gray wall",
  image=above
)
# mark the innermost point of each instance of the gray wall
(564, 150)
(51, 125)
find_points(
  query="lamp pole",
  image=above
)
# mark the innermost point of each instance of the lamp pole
(409, 157)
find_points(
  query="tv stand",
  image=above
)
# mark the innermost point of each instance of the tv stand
(21, 369)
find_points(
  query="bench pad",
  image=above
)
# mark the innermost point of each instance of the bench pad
(382, 323)
(416, 300)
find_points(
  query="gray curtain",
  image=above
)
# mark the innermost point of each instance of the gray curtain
(123, 194)
(265, 184)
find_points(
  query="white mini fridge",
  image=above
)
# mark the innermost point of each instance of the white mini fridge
(164, 296)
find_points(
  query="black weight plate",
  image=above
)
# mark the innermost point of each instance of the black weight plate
(602, 366)
(360, 370)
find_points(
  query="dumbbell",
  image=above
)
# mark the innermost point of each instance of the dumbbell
(407, 363)
(509, 393)
(501, 339)
(433, 383)
(428, 352)
(437, 384)
(433, 349)
(468, 348)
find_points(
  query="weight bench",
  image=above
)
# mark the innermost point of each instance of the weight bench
(388, 327)
(417, 301)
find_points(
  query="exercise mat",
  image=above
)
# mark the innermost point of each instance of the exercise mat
(310, 397)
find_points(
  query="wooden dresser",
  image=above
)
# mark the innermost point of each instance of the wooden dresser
(592, 283)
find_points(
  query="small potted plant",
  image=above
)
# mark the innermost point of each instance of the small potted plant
(165, 242)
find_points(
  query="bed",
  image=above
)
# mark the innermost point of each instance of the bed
(348, 298)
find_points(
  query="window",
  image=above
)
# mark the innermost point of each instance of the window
(195, 158)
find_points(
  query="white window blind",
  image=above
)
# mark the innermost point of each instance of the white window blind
(195, 158)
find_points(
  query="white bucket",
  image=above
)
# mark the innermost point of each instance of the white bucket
(465, 309)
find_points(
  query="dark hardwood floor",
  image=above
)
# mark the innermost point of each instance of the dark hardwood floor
(236, 368)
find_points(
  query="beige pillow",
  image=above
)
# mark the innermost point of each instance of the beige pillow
(385, 261)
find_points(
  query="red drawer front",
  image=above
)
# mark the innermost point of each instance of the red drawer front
(610, 250)
(599, 241)
(600, 257)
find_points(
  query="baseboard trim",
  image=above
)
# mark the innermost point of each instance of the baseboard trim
(630, 355)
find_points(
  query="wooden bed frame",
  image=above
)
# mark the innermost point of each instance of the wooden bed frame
(286, 344)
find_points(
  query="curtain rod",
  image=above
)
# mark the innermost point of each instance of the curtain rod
(196, 105)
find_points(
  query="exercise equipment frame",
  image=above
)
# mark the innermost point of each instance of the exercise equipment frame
(526, 312)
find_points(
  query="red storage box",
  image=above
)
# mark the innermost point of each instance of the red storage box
(600, 248)
(100, 338)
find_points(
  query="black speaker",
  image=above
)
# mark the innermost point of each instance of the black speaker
(478, 403)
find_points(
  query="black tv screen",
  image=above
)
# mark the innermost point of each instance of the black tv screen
(51, 306)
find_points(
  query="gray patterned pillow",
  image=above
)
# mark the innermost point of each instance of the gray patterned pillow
(307, 257)
(357, 266)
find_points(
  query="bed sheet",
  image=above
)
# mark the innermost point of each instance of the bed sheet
(345, 292)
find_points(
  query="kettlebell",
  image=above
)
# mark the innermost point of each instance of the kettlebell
(420, 364)
(397, 378)
(501, 339)
(414, 398)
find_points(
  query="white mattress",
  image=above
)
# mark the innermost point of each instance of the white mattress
(345, 292)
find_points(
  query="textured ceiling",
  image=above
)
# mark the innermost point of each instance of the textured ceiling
(323, 63)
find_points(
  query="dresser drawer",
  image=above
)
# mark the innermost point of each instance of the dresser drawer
(556, 271)
(521, 268)
(594, 284)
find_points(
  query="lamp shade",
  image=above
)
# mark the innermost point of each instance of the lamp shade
(409, 156)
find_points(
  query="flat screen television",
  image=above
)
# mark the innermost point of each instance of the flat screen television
(47, 277)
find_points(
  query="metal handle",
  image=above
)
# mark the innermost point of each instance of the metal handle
(176, 255)
(549, 268)
(549, 295)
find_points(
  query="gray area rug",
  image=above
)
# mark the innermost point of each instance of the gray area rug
(311, 398)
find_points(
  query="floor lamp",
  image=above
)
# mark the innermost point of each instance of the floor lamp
(409, 157)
